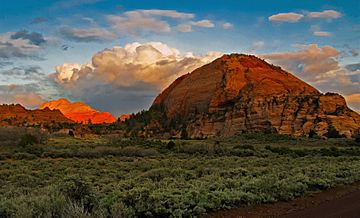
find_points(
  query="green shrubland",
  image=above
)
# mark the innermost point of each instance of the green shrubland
(115, 177)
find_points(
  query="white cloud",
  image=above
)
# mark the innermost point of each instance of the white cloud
(154, 63)
(286, 17)
(204, 23)
(227, 26)
(322, 33)
(70, 72)
(327, 14)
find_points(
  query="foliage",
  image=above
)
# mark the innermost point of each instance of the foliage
(68, 177)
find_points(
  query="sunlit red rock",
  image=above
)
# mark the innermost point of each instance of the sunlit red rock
(242, 93)
(124, 117)
(79, 112)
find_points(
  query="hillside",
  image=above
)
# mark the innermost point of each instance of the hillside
(241, 93)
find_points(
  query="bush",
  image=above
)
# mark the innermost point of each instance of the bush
(170, 145)
(12, 136)
(79, 193)
(28, 139)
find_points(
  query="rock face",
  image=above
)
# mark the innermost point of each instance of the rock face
(17, 115)
(242, 93)
(79, 112)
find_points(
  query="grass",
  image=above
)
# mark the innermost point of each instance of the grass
(67, 177)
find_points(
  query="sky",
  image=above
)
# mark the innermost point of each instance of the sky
(118, 55)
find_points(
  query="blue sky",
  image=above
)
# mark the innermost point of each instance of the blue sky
(51, 49)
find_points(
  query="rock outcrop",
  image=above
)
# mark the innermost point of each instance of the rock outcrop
(17, 115)
(124, 117)
(79, 112)
(242, 93)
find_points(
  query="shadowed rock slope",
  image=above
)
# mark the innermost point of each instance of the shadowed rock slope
(17, 115)
(241, 93)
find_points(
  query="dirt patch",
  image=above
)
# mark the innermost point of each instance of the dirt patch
(342, 201)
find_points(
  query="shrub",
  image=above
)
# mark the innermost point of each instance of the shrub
(170, 145)
(28, 139)
(79, 193)
(24, 156)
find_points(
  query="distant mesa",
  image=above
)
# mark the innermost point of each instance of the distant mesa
(79, 112)
(17, 115)
(242, 93)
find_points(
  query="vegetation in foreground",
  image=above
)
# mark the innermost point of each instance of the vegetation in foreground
(112, 177)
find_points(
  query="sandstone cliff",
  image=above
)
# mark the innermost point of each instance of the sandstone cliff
(79, 112)
(241, 93)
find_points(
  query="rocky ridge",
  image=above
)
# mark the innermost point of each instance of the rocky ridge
(79, 112)
(17, 115)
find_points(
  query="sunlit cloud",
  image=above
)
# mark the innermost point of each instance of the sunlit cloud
(139, 70)
(322, 33)
(286, 17)
(204, 23)
(327, 14)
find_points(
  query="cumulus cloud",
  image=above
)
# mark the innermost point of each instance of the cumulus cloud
(204, 23)
(22, 44)
(286, 17)
(87, 34)
(227, 26)
(322, 33)
(152, 63)
(327, 14)
(136, 69)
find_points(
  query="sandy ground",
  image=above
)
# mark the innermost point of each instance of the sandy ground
(342, 201)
